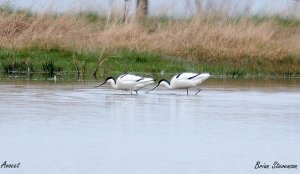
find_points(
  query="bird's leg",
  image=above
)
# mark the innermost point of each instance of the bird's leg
(187, 91)
(136, 92)
(198, 91)
(131, 92)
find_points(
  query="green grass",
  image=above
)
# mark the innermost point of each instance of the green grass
(283, 21)
(7, 8)
(49, 62)
(75, 65)
(92, 17)
(59, 61)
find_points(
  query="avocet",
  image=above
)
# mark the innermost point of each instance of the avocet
(184, 81)
(128, 82)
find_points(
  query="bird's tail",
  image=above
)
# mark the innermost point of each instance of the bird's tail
(147, 81)
(203, 77)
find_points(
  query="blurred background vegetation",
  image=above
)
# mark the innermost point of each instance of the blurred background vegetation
(217, 38)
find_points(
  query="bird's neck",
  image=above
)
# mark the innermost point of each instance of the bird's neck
(166, 84)
(113, 84)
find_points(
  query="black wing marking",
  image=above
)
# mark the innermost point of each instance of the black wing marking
(190, 78)
(140, 79)
(178, 76)
(123, 76)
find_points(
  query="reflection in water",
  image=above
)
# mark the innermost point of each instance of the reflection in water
(74, 128)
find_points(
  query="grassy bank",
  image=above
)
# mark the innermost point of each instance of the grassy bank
(55, 61)
(82, 65)
(231, 46)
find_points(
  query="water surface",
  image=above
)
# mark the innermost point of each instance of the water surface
(74, 128)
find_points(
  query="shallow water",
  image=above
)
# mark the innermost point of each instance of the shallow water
(75, 128)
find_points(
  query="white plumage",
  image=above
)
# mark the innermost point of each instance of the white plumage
(184, 81)
(128, 82)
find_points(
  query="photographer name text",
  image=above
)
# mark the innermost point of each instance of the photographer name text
(275, 165)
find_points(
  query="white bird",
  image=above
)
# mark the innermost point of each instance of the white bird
(128, 82)
(184, 81)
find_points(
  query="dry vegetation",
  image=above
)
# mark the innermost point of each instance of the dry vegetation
(195, 38)
(203, 38)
